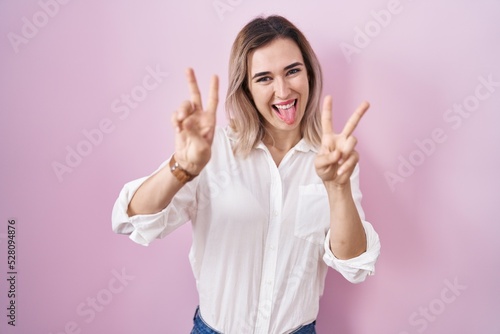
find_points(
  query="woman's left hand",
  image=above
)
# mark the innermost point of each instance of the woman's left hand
(337, 157)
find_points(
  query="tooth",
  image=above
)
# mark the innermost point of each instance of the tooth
(286, 106)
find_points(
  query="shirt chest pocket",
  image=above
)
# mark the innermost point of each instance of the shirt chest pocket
(313, 213)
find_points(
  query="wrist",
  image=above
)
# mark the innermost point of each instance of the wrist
(180, 173)
(336, 188)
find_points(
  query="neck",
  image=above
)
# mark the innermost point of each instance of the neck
(281, 141)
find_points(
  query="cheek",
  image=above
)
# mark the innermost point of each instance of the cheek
(302, 85)
(304, 89)
(306, 84)
(261, 96)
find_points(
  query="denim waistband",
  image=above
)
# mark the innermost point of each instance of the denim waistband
(201, 327)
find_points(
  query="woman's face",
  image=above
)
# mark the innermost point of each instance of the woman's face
(279, 85)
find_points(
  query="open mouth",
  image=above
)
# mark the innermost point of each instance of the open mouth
(286, 111)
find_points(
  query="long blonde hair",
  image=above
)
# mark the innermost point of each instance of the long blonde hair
(244, 118)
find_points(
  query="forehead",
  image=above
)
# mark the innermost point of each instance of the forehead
(274, 56)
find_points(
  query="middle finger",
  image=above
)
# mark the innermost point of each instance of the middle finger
(354, 119)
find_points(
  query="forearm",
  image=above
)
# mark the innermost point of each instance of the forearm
(155, 193)
(347, 234)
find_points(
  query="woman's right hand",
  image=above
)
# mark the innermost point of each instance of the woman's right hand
(195, 126)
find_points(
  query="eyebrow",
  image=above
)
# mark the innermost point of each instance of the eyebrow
(261, 74)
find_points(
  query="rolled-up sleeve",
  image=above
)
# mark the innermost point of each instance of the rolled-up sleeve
(356, 269)
(143, 229)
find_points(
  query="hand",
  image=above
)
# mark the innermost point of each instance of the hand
(337, 157)
(195, 127)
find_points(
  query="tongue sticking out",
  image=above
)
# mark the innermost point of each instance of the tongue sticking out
(287, 115)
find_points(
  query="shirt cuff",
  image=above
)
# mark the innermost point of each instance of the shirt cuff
(356, 270)
(141, 229)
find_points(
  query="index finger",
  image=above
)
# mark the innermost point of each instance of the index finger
(193, 89)
(213, 96)
(326, 115)
(353, 121)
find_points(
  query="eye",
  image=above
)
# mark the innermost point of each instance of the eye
(263, 79)
(293, 71)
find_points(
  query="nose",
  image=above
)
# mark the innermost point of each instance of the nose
(281, 88)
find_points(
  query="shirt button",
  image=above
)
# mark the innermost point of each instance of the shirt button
(275, 213)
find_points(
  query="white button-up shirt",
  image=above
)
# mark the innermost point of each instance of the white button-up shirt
(260, 249)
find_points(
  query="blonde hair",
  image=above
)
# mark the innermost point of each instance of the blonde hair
(244, 118)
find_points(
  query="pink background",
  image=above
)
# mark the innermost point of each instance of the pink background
(438, 224)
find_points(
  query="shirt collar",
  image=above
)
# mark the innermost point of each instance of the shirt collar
(304, 146)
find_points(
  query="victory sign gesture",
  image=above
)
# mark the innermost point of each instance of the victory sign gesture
(337, 156)
(195, 126)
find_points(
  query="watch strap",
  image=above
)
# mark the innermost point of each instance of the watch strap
(180, 173)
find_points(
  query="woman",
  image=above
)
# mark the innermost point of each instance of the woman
(273, 198)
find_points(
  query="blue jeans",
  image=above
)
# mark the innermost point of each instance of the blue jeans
(201, 327)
